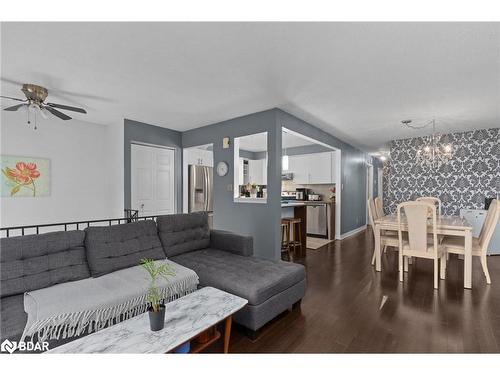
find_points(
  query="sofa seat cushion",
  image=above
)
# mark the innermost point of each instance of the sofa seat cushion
(41, 260)
(181, 233)
(13, 317)
(121, 246)
(254, 279)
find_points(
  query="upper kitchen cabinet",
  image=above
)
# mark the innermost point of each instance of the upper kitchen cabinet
(318, 168)
(257, 171)
(252, 171)
(199, 156)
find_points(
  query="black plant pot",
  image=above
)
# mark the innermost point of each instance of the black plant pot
(157, 318)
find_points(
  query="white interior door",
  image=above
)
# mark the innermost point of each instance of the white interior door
(152, 180)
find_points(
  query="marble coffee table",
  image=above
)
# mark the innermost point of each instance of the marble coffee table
(185, 318)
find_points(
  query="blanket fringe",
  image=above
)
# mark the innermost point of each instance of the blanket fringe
(76, 323)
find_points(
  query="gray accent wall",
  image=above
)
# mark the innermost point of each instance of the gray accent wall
(353, 164)
(262, 221)
(252, 155)
(135, 131)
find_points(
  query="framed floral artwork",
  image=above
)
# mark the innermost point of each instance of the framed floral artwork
(24, 176)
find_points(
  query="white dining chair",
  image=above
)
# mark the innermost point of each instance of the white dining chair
(379, 212)
(433, 200)
(419, 244)
(379, 207)
(456, 245)
(386, 240)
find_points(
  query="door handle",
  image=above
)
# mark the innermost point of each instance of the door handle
(205, 177)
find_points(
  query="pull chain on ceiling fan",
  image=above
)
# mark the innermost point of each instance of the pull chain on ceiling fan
(35, 103)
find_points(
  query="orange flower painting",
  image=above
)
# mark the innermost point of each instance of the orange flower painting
(25, 176)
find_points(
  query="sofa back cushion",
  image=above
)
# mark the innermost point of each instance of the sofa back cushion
(182, 233)
(41, 260)
(121, 246)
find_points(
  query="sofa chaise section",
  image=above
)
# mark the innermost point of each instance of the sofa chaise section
(225, 261)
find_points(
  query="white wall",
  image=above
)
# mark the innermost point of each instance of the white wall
(86, 169)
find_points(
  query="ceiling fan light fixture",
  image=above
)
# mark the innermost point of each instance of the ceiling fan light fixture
(33, 108)
(35, 105)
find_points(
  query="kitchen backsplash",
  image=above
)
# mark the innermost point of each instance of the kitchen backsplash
(323, 189)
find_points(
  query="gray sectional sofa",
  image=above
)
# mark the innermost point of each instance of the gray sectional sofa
(221, 259)
(224, 260)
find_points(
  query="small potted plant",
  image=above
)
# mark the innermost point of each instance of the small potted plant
(156, 309)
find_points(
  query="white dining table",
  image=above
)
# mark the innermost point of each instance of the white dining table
(446, 225)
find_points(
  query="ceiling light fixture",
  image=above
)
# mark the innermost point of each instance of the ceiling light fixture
(284, 162)
(433, 153)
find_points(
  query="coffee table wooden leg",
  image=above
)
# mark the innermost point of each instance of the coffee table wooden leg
(227, 333)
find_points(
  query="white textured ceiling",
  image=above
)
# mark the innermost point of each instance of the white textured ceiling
(354, 80)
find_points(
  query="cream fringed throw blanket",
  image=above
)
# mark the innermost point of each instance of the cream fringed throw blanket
(70, 309)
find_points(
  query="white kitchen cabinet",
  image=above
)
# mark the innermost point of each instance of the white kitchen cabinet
(196, 156)
(297, 164)
(318, 168)
(257, 172)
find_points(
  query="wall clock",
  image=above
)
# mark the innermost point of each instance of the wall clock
(222, 168)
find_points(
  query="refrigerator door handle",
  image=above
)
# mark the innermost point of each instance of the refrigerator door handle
(205, 188)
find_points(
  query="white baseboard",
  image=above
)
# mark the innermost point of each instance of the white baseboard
(352, 232)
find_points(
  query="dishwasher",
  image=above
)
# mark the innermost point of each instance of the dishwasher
(317, 225)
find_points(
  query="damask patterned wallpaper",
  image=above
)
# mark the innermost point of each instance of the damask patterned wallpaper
(472, 174)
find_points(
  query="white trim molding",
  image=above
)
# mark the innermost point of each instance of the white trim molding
(352, 232)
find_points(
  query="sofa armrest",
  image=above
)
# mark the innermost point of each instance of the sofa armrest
(231, 242)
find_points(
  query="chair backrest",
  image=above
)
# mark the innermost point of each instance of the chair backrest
(432, 200)
(489, 225)
(417, 214)
(379, 207)
(371, 212)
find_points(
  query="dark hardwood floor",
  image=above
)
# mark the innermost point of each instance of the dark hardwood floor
(351, 308)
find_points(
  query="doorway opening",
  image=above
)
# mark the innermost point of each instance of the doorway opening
(311, 172)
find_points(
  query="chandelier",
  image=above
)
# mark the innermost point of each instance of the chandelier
(433, 153)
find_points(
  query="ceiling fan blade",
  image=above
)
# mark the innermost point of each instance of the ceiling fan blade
(14, 107)
(55, 112)
(67, 107)
(11, 98)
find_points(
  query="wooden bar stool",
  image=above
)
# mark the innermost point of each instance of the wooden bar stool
(285, 238)
(296, 241)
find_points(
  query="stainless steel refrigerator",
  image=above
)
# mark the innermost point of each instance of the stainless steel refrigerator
(200, 187)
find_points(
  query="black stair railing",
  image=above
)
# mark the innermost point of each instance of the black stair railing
(130, 216)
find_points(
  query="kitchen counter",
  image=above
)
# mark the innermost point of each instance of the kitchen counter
(293, 203)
